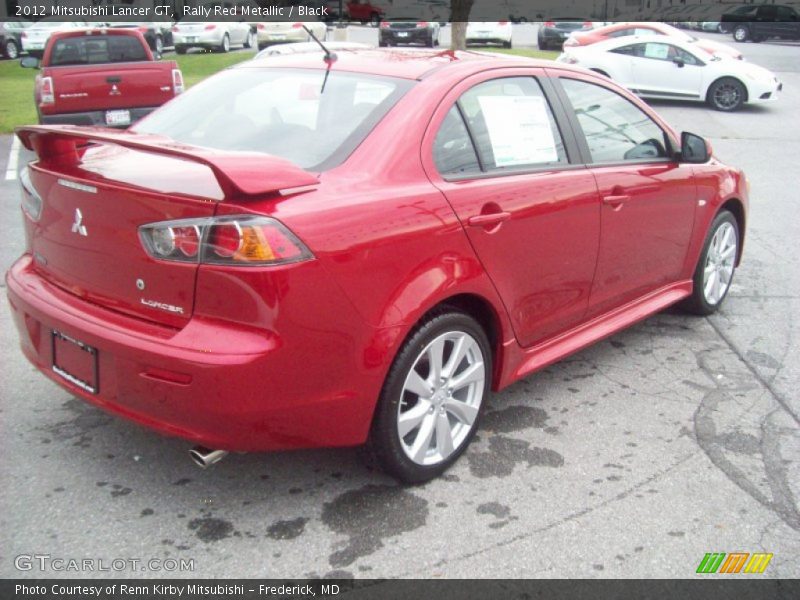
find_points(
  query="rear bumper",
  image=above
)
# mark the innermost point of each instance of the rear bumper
(217, 384)
(405, 36)
(92, 117)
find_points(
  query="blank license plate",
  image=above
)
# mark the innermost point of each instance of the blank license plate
(118, 117)
(402, 34)
(75, 361)
(191, 39)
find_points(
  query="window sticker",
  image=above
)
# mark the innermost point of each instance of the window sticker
(519, 130)
(659, 51)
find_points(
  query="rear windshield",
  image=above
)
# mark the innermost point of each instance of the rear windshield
(96, 49)
(282, 112)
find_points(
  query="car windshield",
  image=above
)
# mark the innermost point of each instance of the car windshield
(96, 49)
(282, 112)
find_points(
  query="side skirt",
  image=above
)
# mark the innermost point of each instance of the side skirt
(520, 362)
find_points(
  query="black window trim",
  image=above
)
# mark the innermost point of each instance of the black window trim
(571, 144)
(586, 155)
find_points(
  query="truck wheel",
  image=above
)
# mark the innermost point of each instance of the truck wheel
(180, 49)
(741, 33)
(159, 44)
(11, 50)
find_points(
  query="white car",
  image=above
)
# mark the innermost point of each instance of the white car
(666, 68)
(497, 32)
(34, 38)
(221, 36)
(283, 32)
(305, 47)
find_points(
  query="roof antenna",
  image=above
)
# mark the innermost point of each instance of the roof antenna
(329, 58)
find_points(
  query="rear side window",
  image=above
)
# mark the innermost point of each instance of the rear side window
(96, 49)
(615, 129)
(512, 125)
(453, 151)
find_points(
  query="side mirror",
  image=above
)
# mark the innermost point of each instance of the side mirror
(679, 62)
(29, 62)
(694, 149)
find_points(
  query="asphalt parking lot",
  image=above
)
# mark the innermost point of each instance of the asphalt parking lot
(633, 458)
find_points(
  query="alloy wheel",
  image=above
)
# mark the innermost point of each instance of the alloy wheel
(441, 398)
(727, 96)
(719, 265)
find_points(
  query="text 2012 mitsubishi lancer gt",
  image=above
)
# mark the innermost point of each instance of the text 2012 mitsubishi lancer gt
(302, 252)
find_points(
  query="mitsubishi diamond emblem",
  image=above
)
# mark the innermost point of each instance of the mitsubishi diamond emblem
(78, 226)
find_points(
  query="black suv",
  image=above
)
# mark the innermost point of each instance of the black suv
(763, 22)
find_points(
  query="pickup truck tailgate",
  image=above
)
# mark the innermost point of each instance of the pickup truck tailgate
(110, 86)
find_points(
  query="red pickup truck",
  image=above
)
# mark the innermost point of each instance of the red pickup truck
(105, 77)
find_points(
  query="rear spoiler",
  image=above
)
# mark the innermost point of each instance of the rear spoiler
(238, 173)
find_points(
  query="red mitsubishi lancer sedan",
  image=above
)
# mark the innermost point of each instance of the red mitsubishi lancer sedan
(301, 252)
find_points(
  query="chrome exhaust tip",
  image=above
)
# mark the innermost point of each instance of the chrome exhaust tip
(205, 457)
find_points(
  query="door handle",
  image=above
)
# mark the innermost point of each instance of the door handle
(489, 220)
(616, 201)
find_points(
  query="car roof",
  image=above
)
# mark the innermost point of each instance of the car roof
(401, 63)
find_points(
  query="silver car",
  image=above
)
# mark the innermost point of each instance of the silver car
(220, 36)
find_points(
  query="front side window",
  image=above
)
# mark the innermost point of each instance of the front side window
(282, 112)
(615, 129)
(512, 125)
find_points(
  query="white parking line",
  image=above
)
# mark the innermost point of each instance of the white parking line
(13, 159)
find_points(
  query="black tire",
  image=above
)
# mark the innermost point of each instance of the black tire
(726, 94)
(507, 44)
(382, 44)
(180, 49)
(250, 40)
(541, 44)
(697, 303)
(374, 19)
(384, 442)
(429, 41)
(225, 44)
(741, 33)
(11, 50)
(158, 44)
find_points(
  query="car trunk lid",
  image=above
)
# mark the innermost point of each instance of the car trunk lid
(95, 196)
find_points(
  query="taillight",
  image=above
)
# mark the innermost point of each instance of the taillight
(421, 24)
(235, 241)
(297, 25)
(210, 26)
(175, 30)
(260, 26)
(502, 23)
(31, 200)
(46, 93)
(384, 24)
(177, 81)
(549, 24)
